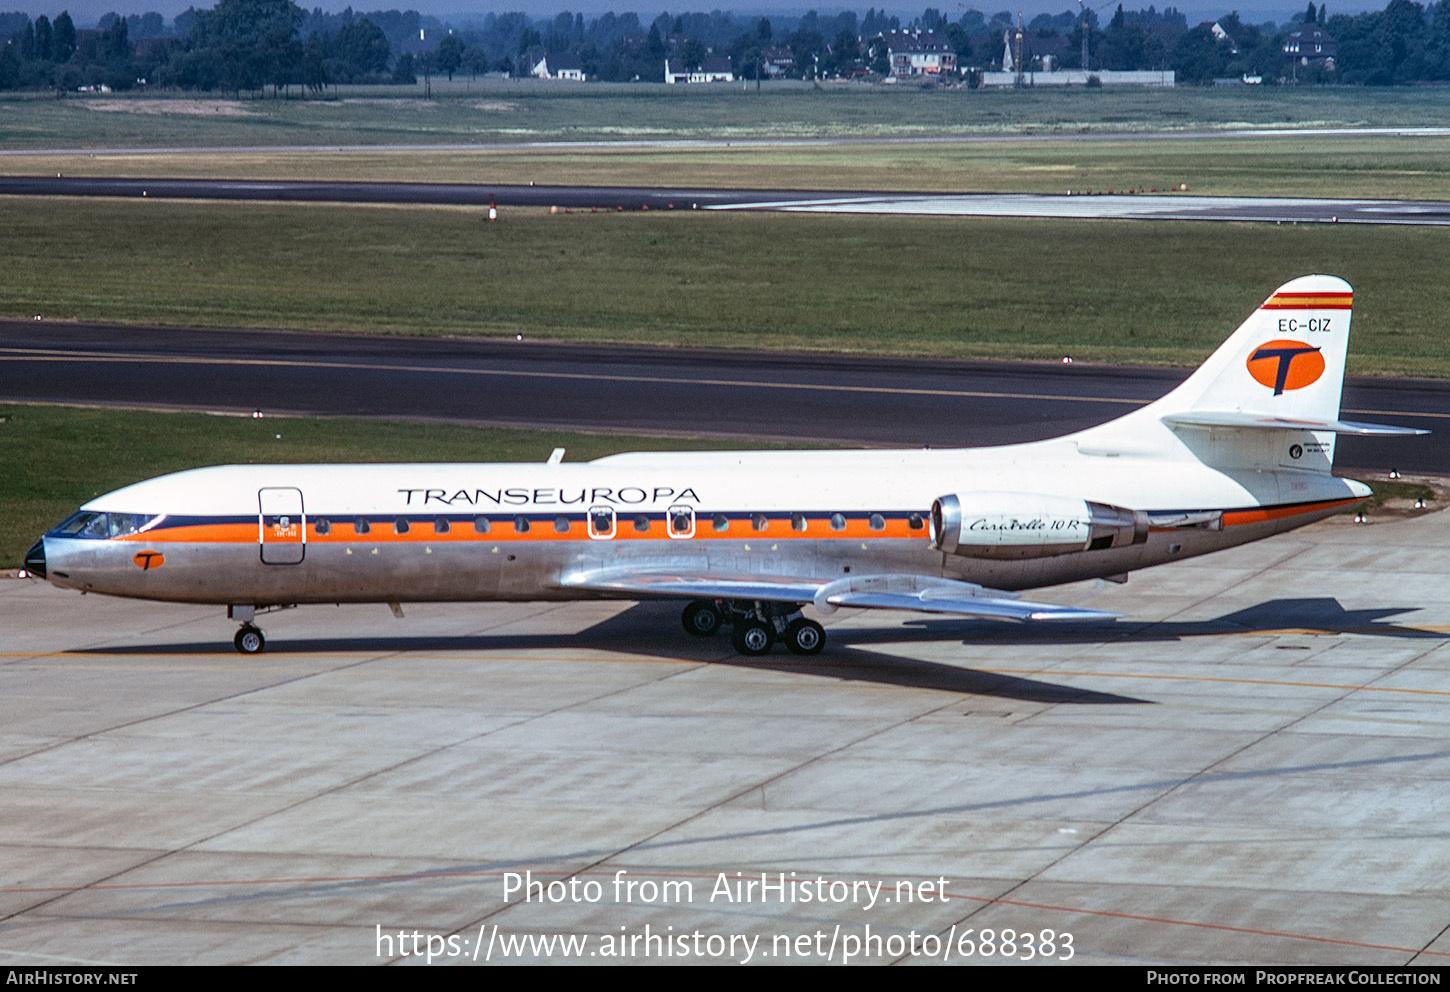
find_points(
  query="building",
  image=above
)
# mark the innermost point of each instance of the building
(1310, 43)
(715, 69)
(918, 53)
(1077, 77)
(778, 62)
(559, 65)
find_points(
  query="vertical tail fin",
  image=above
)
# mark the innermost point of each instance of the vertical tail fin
(1282, 370)
(1286, 362)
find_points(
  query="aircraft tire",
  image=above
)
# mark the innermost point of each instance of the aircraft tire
(701, 618)
(752, 637)
(805, 636)
(249, 640)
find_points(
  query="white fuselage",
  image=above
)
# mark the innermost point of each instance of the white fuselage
(283, 534)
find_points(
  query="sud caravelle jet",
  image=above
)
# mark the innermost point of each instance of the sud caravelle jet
(1241, 450)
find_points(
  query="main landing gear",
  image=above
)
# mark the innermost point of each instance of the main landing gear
(755, 626)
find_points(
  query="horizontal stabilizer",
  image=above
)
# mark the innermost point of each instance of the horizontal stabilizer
(884, 592)
(1261, 421)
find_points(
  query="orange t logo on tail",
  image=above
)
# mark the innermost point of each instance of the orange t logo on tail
(1286, 364)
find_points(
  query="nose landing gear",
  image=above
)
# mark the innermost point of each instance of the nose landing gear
(250, 640)
(755, 626)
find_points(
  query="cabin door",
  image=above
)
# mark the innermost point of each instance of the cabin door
(282, 528)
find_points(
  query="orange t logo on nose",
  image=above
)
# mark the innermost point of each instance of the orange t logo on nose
(1283, 365)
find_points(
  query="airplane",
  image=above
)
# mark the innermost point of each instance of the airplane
(1243, 449)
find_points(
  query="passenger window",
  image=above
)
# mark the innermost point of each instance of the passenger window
(760, 522)
(641, 524)
(838, 521)
(361, 526)
(441, 526)
(721, 523)
(878, 522)
(322, 525)
(400, 526)
(480, 525)
(561, 525)
(798, 521)
(915, 521)
(521, 525)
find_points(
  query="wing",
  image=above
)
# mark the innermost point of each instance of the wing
(883, 592)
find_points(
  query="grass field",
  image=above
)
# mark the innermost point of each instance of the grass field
(491, 132)
(527, 110)
(57, 458)
(1312, 165)
(1136, 292)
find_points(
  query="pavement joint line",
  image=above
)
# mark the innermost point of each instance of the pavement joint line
(159, 855)
(693, 664)
(650, 839)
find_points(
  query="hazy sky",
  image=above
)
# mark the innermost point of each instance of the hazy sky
(86, 12)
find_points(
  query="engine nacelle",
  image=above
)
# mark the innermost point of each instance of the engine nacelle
(1030, 525)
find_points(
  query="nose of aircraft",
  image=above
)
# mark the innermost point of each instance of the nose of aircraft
(35, 559)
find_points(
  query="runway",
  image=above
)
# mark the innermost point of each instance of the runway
(1251, 769)
(1148, 206)
(861, 400)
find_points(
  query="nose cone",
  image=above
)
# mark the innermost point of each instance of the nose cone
(35, 559)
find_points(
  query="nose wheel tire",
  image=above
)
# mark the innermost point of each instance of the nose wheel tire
(752, 637)
(249, 640)
(804, 636)
(701, 618)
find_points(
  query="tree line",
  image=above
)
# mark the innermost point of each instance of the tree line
(275, 45)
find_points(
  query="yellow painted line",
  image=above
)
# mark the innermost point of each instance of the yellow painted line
(1400, 413)
(609, 655)
(82, 357)
(28, 355)
(1054, 673)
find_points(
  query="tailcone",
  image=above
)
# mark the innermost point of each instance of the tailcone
(35, 559)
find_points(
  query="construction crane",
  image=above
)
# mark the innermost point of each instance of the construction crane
(1085, 9)
(1016, 42)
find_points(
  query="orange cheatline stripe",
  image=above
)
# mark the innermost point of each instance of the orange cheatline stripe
(1237, 517)
(1309, 301)
(381, 532)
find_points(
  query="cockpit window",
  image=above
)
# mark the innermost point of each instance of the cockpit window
(83, 524)
(127, 523)
(100, 526)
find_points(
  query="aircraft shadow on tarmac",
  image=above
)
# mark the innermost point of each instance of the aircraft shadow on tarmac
(1321, 615)
(651, 629)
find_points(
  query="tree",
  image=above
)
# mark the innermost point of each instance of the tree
(362, 49)
(314, 65)
(404, 73)
(43, 38)
(450, 55)
(693, 53)
(62, 37)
